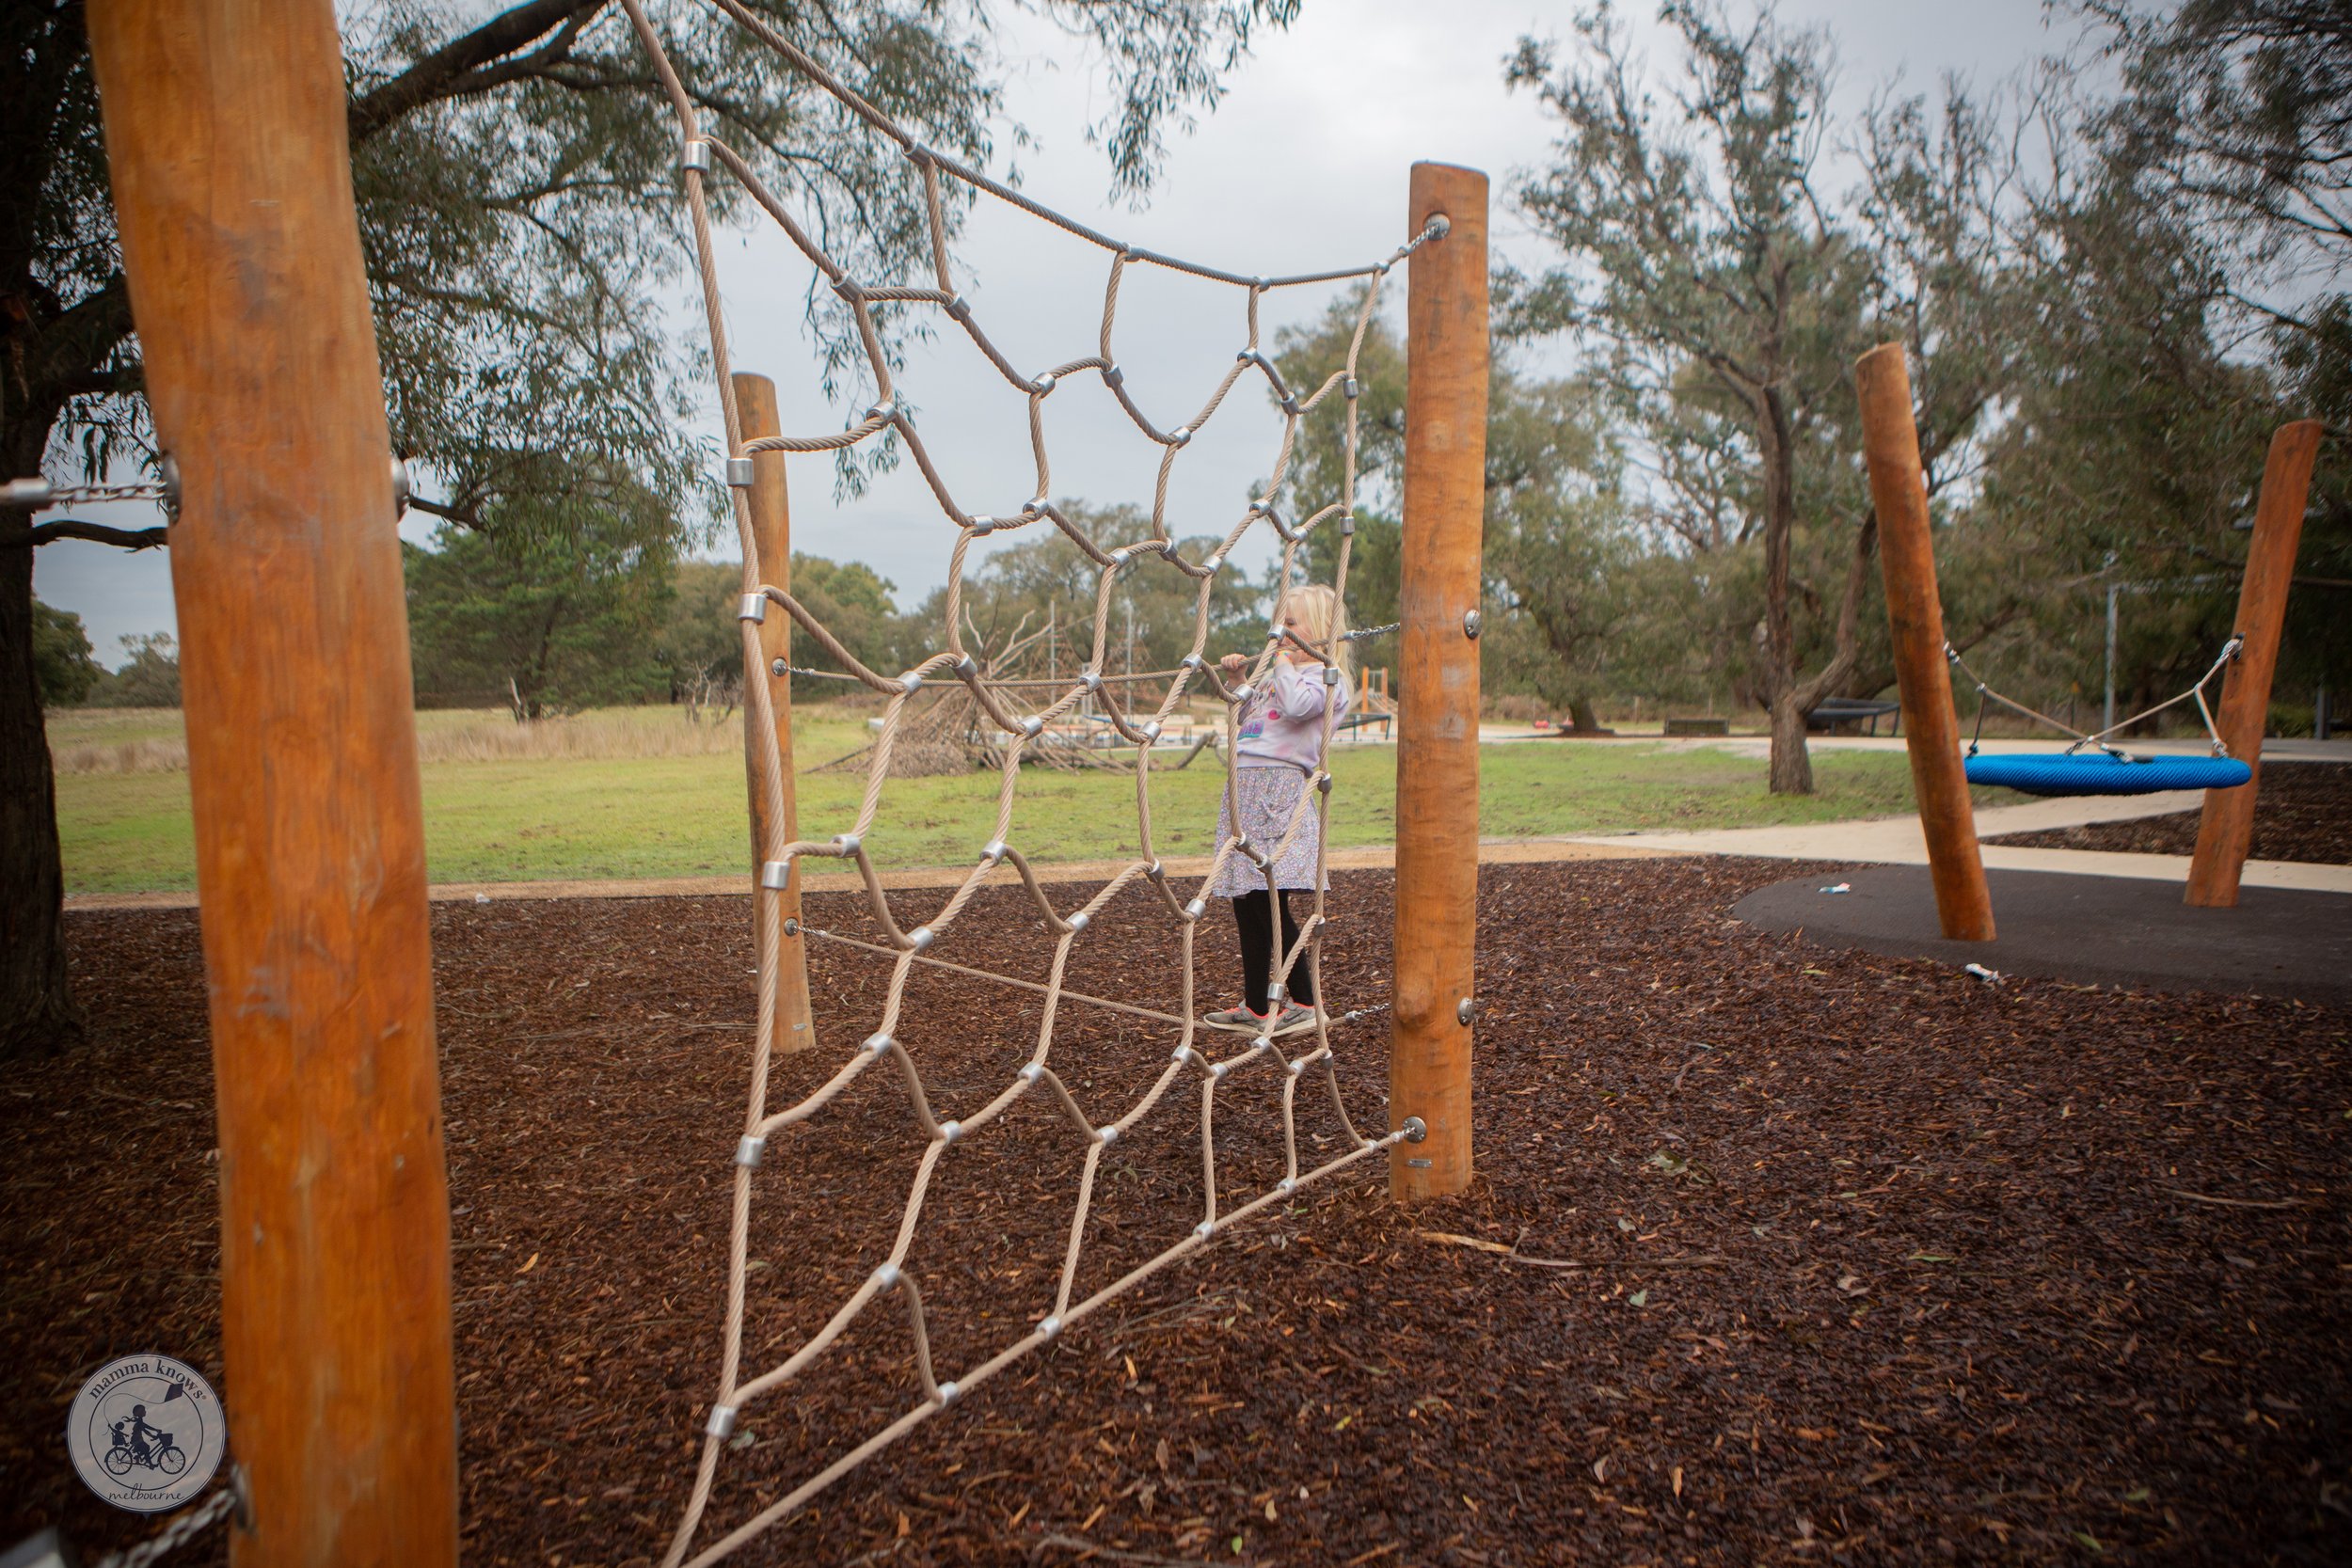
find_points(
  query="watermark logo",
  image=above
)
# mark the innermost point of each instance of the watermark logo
(147, 1433)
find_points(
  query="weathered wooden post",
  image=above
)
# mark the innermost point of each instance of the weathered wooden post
(1915, 613)
(225, 133)
(2225, 833)
(771, 526)
(1437, 764)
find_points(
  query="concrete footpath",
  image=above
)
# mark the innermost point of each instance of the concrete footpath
(1898, 841)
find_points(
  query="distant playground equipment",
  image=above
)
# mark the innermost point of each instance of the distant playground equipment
(1830, 712)
(1923, 659)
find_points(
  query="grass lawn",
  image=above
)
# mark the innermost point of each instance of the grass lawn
(563, 807)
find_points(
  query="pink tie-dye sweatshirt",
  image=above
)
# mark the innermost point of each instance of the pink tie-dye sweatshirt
(1281, 725)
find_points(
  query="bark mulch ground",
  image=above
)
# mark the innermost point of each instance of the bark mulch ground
(1820, 1255)
(2302, 812)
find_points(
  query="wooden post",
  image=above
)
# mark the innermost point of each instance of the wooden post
(231, 178)
(2226, 830)
(772, 526)
(1915, 613)
(1436, 762)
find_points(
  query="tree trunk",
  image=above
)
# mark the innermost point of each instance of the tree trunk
(1792, 768)
(1792, 761)
(37, 1012)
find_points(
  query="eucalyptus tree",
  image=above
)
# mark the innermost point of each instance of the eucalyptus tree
(1722, 290)
(2234, 127)
(515, 178)
(1722, 296)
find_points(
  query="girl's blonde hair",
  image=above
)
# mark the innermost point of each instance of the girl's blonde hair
(1322, 620)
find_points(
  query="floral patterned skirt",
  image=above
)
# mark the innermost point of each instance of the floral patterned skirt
(1266, 798)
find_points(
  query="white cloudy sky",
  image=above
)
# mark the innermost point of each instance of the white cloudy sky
(1304, 166)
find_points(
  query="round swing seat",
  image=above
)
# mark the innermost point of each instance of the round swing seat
(2097, 773)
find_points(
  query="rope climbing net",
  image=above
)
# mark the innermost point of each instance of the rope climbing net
(1291, 520)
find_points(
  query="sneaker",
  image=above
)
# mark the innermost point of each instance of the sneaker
(1295, 1016)
(1236, 1018)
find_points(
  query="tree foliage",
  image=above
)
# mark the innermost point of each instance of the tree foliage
(62, 658)
(544, 624)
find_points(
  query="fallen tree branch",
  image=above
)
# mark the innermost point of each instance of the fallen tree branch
(2241, 1202)
(1701, 1260)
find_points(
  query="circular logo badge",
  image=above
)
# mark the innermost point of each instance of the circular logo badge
(147, 1433)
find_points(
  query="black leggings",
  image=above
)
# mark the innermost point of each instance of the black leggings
(1253, 912)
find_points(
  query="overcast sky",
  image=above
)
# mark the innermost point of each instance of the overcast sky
(1304, 166)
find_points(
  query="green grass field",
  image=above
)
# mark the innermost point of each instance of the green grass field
(639, 793)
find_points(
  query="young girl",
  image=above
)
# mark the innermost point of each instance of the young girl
(1279, 746)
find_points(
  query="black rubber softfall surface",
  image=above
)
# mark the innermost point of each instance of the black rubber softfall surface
(2097, 930)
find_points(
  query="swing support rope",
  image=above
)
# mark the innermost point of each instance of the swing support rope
(1985, 694)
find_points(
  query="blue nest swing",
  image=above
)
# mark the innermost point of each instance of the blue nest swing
(2103, 773)
(2106, 770)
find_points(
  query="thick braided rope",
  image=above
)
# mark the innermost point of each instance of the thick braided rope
(997, 700)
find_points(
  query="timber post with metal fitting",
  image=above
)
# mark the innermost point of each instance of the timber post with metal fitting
(2225, 831)
(1437, 764)
(771, 526)
(230, 168)
(1914, 615)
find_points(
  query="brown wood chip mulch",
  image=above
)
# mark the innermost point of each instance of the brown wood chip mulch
(2302, 812)
(1872, 1262)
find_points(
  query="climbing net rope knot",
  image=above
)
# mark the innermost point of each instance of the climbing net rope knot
(1292, 520)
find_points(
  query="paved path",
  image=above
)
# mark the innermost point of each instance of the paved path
(1898, 841)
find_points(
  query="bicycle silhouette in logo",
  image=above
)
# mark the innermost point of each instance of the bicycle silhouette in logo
(139, 1445)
